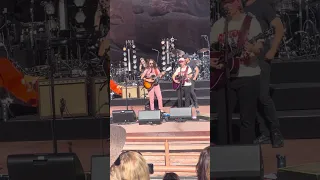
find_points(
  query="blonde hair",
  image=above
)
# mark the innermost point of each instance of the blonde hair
(133, 166)
(115, 173)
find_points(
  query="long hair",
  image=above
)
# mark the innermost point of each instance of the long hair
(154, 63)
(203, 165)
(133, 166)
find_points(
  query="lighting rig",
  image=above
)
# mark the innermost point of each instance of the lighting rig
(130, 59)
(167, 45)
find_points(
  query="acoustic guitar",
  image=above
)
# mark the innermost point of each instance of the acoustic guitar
(217, 78)
(176, 86)
(152, 81)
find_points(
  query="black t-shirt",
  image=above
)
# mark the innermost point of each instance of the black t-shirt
(264, 12)
(192, 64)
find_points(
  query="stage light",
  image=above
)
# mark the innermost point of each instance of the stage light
(133, 46)
(80, 17)
(163, 42)
(124, 48)
(164, 63)
(134, 56)
(163, 53)
(163, 58)
(135, 67)
(125, 59)
(79, 3)
(164, 68)
(163, 47)
(48, 7)
(125, 64)
(124, 54)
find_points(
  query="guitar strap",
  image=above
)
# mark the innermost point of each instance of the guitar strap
(243, 34)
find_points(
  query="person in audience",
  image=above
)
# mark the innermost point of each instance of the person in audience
(132, 166)
(171, 176)
(115, 173)
(117, 142)
(203, 165)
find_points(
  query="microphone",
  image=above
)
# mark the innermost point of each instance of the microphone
(62, 106)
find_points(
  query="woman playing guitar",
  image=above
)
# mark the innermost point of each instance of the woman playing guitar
(150, 70)
(185, 74)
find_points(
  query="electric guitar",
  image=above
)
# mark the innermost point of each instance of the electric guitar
(152, 81)
(217, 78)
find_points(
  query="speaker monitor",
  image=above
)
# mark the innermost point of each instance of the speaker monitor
(123, 116)
(237, 162)
(100, 167)
(149, 117)
(184, 112)
(64, 166)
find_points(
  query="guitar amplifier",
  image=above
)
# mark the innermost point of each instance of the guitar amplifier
(73, 91)
(132, 92)
(142, 92)
(100, 97)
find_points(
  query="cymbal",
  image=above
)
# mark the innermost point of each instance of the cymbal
(177, 52)
(203, 50)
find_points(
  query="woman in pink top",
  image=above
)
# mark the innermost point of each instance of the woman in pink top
(152, 69)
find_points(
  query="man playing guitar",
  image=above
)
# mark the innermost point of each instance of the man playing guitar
(193, 65)
(152, 69)
(185, 74)
(244, 85)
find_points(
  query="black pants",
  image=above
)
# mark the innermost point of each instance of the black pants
(246, 90)
(193, 95)
(267, 112)
(186, 90)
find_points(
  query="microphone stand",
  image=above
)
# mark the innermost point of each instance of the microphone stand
(53, 104)
(126, 83)
(227, 85)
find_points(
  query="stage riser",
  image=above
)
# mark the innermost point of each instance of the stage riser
(199, 84)
(294, 124)
(295, 72)
(199, 92)
(67, 129)
(167, 102)
(291, 97)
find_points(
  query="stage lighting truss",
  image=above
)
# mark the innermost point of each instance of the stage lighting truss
(130, 52)
(167, 45)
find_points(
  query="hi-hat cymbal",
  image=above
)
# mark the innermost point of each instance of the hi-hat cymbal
(203, 50)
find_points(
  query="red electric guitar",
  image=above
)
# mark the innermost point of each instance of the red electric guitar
(217, 78)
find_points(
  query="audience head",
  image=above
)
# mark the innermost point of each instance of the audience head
(203, 166)
(132, 165)
(117, 141)
(115, 173)
(171, 176)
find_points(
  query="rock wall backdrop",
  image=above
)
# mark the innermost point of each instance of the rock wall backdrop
(147, 22)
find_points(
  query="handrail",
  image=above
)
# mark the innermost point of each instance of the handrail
(168, 167)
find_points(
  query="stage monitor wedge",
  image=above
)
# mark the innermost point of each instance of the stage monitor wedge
(183, 112)
(237, 162)
(62, 166)
(149, 117)
(123, 116)
(100, 167)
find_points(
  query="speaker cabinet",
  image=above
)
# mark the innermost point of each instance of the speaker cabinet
(64, 166)
(100, 167)
(132, 92)
(123, 116)
(237, 162)
(74, 93)
(184, 112)
(149, 117)
(100, 101)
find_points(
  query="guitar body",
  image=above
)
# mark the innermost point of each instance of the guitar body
(217, 77)
(20, 86)
(176, 86)
(150, 85)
